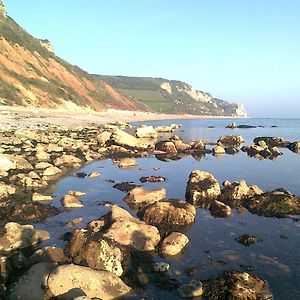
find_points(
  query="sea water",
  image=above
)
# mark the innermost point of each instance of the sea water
(212, 248)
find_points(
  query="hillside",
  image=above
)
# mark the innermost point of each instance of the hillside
(32, 75)
(171, 96)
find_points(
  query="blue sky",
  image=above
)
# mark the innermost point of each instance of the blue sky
(243, 51)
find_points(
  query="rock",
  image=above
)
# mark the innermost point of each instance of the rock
(18, 236)
(32, 284)
(191, 290)
(42, 165)
(248, 240)
(76, 193)
(40, 197)
(6, 190)
(94, 175)
(67, 161)
(139, 195)
(174, 243)
(103, 137)
(49, 254)
(54, 148)
(236, 285)
(238, 190)
(6, 164)
(126, 162)
(231, 150)
(124, 186)
(128, 231)
(70, 201)
(51, 171)
(21, 162)
(272, 141)
(198, 145)
(169, 214)
(123, 139)
(231, 140)
(295, 147)
(74, 222)
(161, 267)
(202, 187)
(245, 126)
(93, 283)
(219, 209)
(166, 146)
(231, 125)
(277, 203)
(218, 150)
(42, 155)
(152, 179)
(146, 132)
(170, 128)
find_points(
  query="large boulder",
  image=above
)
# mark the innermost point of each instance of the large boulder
(272, 141)
(202, 187)
(139, 195)
(236, 285)
(146, 132)
(93, 283)
(103, 137)
(168, 147)
(231, 140)
(126, 140)
(125, 230)
(275, 203)
(169, 214)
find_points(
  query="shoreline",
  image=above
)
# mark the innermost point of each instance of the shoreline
(26, 116)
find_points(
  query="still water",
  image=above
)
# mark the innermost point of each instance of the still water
(212, 248)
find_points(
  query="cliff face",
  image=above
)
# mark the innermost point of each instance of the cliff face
(170, 96)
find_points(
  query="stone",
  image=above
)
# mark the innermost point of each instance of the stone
(67, 161)
(170, 128)
(243, 126)
(236, 285)
(277, 203)
(139, 195)
(49, 254)
(219, 209)
(146, 132)
(6, 164)
(18, 236)
(123, 139)
(172, 213)
(144, 179)
(198, 145)
(202, 187)
(103, 137)
(126, 162)
(231, 140)
(42, 155)
(231, 125)
(100, 284)
(124, 186)
(42, 165)
(54, 148)
(40, 197)
(51, 171)
(6, 190)
(174, 243)
(71, 201)
(248, 240)
(161, 267)
(218, 150)
(295, 147)
(166, 146)
(191, 289)
(272, 141)
(32, 284)
(128, 231)
(76, 193)
(94, 175)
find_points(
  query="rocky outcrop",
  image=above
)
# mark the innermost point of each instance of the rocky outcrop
(277, 203)
(202, 187)
(236, 285)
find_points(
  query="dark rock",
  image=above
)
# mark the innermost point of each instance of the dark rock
(278, 203)
(272, 141)
(295, 147)
(248, 240)
(245, 126)
(125, 186)
(231, 126)
(236, 286)
(152, 179)
(231, 150)
(219, 209)
(166, 146)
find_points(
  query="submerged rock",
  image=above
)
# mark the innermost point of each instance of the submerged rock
(126, 162)
(202, 187)
(248, 240)
(192, 289)
(124, 186)
(174, 243)
(100, 284)
(276, 203)
(152, 179)
(236, 285)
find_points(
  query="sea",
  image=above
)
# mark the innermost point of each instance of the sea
(212, 248)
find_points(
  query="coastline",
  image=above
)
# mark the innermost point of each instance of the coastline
(26, 116)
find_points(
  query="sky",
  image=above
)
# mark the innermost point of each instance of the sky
(243, 51)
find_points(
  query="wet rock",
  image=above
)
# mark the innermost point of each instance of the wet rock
(167, 147)
(231, 150)
(6, 190)
(32, 284)
(18, 236)
(248, 240)
(152, 179)
(275, 203)
(146, 132)
(231, 140)
(139, 195)
(128, 231)
(201, 188)
(179, 144)
(101, 284)
(198, 145)
(70, 201)
(94, 175)
(126, 162)
(51, 171)
(191, 290)
(123, 139)
(74, 222)
(236, 285)
(219, 209)
(174, 243)
(272, 141)
(161, 267)
(103, 137)
(67, 161)
(237, 190)
(231, 126)
(124, 186)
(218, 150)
(295, 147)
(169, 214)
(40, 197)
